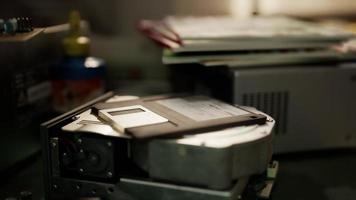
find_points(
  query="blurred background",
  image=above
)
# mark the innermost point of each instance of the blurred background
(131, 56)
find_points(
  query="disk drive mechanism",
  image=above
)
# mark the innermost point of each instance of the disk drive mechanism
(161, 147)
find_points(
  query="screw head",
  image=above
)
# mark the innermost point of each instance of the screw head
(81, 170)
(109, 174)
(79, 140)
(109, 144)
(269, 120)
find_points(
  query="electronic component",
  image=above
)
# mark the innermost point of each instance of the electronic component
(85, 157)
(16, 25)
(26, 90)
(310, 103)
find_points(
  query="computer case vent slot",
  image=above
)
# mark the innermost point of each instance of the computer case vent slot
(273, 103)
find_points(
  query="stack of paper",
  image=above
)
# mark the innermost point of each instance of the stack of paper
(213, 41)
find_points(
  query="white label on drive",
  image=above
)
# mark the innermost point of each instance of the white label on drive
(200, 108)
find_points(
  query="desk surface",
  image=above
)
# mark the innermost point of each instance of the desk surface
(327, 175)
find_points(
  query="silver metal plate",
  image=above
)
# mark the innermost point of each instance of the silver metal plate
(130, 116)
